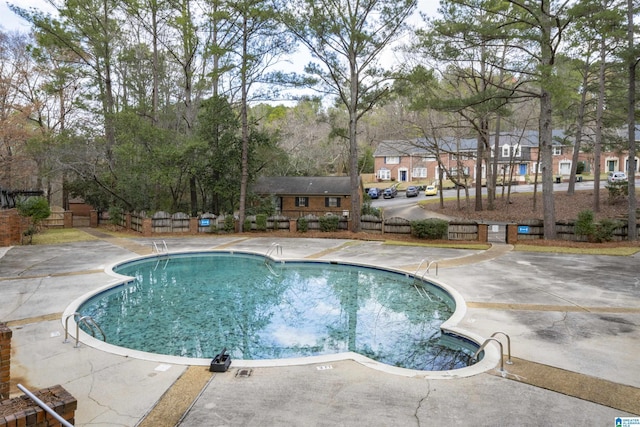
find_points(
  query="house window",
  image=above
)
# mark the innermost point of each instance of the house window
(332, 202)
(556, 151)
(516, 150)
(392, 160)
(384, 174)
(429, 159)
(419, 172)
(302, 202)
(464, 169)
(509, 151)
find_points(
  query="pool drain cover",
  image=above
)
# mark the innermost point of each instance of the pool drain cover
(243, 373)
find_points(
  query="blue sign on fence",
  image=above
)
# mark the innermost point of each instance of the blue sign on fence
(205, 222)
(523, 229)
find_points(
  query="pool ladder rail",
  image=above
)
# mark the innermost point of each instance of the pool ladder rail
(493, 339)
(275, 247)
(429, 264)
(416, 276)
(163, 250)
(88, 321)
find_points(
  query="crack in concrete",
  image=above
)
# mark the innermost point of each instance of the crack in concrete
(106, 408)
(420, 402)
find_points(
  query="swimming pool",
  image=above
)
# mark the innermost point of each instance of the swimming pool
(194, 304)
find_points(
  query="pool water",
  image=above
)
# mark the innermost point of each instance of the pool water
(194, 305)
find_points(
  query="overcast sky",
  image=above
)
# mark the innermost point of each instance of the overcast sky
(9, 21)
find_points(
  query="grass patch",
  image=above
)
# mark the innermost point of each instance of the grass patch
(617, 251)
(474, 246)
(55, 236)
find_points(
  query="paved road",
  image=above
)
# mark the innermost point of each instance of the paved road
(407, 208)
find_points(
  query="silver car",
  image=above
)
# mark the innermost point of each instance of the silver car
(616, 177)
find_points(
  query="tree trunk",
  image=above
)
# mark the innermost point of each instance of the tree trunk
(579, 126)
(546, 129)
(244, 177)
(632, 232)
(354, 178)
(598, 132)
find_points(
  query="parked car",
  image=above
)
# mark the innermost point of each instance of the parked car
(389, 193)
(374, 193)
(431, 190)
(616, 177)
(411, 191)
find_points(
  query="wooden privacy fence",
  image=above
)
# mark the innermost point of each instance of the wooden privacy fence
(565, 230)
(165, 223)
(180, 223)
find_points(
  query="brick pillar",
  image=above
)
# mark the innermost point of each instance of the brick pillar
(11, 227)
(127, 220)
(483, 233)
(193, 225)
(293, 225)
(512, 234)
(5, 360)
(147, 227)
(93, 219)
(68, 219)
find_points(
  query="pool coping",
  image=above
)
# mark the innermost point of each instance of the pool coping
(450, 327)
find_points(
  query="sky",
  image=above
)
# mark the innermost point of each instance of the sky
(10, 22)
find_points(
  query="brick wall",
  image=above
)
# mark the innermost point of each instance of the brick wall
(5, 360)
(316, 206)
(11, 227)
(22, 411)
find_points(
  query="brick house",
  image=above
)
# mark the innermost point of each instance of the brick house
(417, 160)
(296, 196)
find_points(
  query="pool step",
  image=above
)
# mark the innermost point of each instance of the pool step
(603, 392)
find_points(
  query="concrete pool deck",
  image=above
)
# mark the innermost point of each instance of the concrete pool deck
(574, 323)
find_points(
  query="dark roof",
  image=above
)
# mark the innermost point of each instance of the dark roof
(303, 185)
(420, 146)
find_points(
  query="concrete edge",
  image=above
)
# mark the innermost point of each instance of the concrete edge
(450, 327)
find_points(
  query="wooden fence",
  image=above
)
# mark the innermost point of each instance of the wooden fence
(565, 230)
(180, 223)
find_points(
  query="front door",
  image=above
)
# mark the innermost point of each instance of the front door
(403, 175)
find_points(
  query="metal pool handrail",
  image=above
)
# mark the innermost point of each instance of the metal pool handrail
(484, 344)
(274, 247)
(88, 321)
(45, 407)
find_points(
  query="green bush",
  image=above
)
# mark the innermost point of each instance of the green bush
(618, 191)
(597, 232)
(329, 223)
(229, 224)
(36, 209)
(431, 229)
(584, 224)
(367, 209)
(261, 222)
(303, 224)
(115, 215)
(247, 225)
(604, 230)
